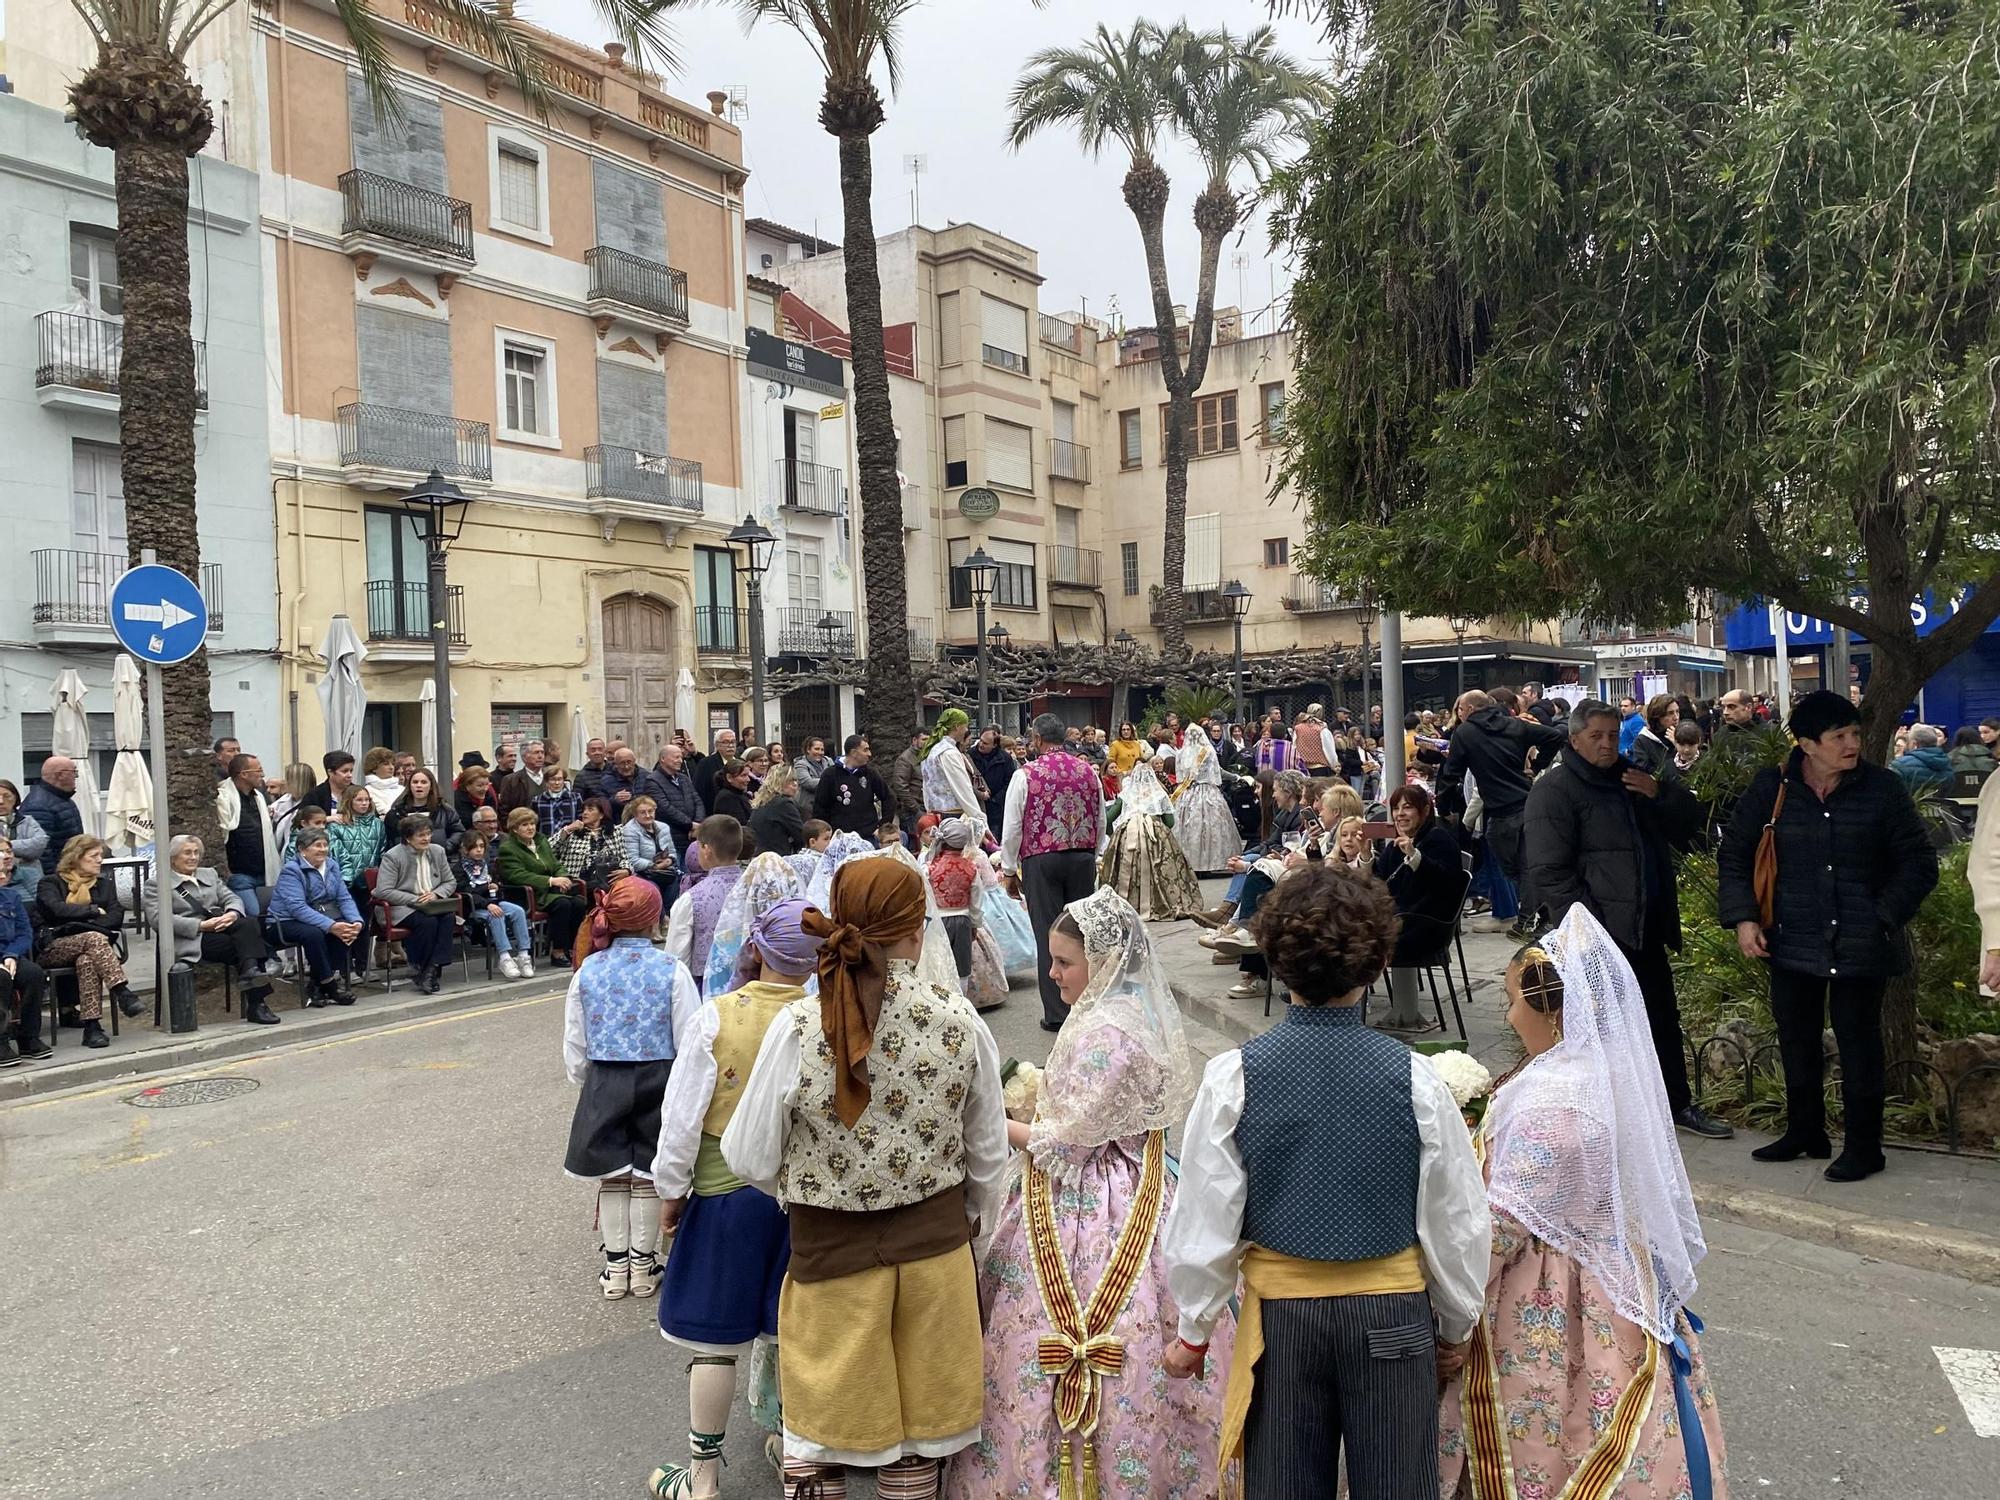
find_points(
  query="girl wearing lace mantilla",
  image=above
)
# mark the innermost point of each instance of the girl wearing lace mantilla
(1075, 1264)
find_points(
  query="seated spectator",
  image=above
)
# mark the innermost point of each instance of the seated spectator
(339, 768)
(212, 925)
(473, 789)
(775, 817)
(421, 892)
(556, 805)
(528, 860)
(1258, 866)
(649, 848)
(24, 987)
(291, 795)
(313, 908)
(378, 774)
(485, 820)
(589, 846)
(356, 836)
(27, 839)
(1925, 765)
(1422, 868)
(506, 924)
(426, 799)
(79, 916)
(51, 802)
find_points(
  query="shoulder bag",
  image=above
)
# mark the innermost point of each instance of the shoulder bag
(1764, 874)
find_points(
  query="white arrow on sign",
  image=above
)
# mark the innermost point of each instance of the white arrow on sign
(166, 614)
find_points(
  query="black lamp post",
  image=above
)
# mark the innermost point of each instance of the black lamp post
(1461, 626)
(980, 571)
(1365, 614)
(441, 506)
(829, 626)
(1237, 598)
(758, 544)
(996, 640)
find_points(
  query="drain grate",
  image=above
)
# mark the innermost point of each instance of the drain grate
(191, 1091)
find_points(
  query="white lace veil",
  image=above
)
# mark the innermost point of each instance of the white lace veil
(842, 847)
(1121, 1066)
(935, 963)
(767, 880)
(1581, 1149)
(1141, 792)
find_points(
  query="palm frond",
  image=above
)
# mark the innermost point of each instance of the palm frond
(1113, 87)
(1241, 99)
(846, 36)
(642, 26)
(371, 56)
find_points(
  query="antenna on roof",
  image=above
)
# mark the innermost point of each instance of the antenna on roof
(736, 105)
(914, 168)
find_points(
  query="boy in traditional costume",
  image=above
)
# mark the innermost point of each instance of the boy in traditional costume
(874, 1115)
(692, 923)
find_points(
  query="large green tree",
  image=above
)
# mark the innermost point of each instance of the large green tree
(137, 99)
(1236, 101)
(1604, 306)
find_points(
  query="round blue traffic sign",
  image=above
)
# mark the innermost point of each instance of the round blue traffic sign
(158, 614)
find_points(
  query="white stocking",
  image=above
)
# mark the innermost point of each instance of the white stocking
(614, 1199)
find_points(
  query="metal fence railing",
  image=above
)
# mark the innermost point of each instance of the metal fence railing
(721, 630)
(393, 437)
(74, 587)
(620, 276)
(1075, 566)
(399, 611)
(800, 634)
(1069, 460)
(406, 213)
(818, 489)
(83, 352)
(615, 473)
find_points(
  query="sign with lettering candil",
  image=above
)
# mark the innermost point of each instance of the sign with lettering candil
(798, 365)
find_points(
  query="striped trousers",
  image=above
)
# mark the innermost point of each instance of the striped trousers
(1354, 1373)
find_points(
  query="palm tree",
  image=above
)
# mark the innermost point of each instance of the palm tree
(1235, 100)
(137, 100)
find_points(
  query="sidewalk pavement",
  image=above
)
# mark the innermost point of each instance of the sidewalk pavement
(1931, 1210)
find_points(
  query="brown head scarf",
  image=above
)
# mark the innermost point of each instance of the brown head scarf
(877, 903)
(632, 905)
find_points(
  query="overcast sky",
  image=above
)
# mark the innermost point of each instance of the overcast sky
(959, 60)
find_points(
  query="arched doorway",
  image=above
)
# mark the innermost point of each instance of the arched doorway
(638, 672)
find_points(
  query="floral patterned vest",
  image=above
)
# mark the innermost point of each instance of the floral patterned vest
(627, 995)
(1061, 807)
(909, 1143)
(707, 899)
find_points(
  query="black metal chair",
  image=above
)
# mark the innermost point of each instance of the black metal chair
(1431, 940)
(58, 973)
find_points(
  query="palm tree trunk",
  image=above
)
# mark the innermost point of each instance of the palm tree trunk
(156, 442)
(1145, 194)
(892, 699)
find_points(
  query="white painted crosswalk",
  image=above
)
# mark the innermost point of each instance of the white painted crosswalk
(1975, 1377)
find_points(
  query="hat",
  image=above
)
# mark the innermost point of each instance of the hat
(470, 759)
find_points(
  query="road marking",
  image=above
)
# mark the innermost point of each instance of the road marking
(1975, 1377)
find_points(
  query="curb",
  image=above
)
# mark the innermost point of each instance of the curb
(242, 1040)
(1907, 1242)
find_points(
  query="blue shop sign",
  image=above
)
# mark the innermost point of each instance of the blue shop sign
(1753, 626)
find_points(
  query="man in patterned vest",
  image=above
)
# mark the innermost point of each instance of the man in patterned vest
(873, 1114)
(1053, 831)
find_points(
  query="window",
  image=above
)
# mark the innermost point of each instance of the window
(1214, 428)
(1128, 563)
(1202, 570)
(97, 523)
(1003, 334)
(93, 269)
(1130, 446)
(718, 624)
(398, 580)
(805, 583)
(951, 336)
(954, 453)
(1272, 400)
(1277, 551)
(1013, 585)
(518, 184)
(526, 366)
(1010, 455)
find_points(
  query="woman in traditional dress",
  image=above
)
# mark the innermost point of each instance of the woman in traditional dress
(950, 785)
(1077, 1240)
(1584, 1376)
(1203, 824)
(767, 880)
(958, 878)
(1143, 861)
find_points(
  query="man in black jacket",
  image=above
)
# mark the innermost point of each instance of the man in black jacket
(51, 802)
(1494, 746)
(676, 798)
(1600, 832)
(852, 796)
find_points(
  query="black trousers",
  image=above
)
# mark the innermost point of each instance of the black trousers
(23, 994)
(428, 945)
(1051, 882)
(565, 913)
(1800, 1004)
(1655, 973)
(326, 954)
(959, 930)
(240, 945)
(668, 883)
(1354, 1373)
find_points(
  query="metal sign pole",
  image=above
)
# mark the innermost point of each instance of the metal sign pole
(163, 900)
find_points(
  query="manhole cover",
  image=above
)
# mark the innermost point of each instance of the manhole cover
(190, 1091)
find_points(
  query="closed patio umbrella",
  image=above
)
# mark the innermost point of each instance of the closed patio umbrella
(128, 800)
(71, 737)
(342, 702)
(684, 709)
(427, 746)
(578, 738)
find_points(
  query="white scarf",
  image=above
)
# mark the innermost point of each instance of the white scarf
(229, 812)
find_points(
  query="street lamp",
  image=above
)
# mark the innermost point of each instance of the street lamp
(757, 543)
(1237, 598)
(980, 571)
(440, 504)
(1461, 626)
(1366, 612)
(829, 626)
(996, 639)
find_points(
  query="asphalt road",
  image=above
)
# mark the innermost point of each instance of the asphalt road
(368, 1277)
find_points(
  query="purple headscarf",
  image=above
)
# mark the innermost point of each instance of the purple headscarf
(777, 938)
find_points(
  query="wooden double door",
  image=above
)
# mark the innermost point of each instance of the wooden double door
(639, 671)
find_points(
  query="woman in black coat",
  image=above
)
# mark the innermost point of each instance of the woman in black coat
(1423, 871)
(1854, 864)
(732, 791)
(776, 821)
(77, 916)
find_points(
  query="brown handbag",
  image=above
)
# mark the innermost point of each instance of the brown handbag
(1764, 876)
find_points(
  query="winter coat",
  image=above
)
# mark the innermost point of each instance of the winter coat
(1924, 767)
(530, 865)
(1435, 886)
(729, 800)
(356, 846)
(1494, 747)
(642, 849)
(397, 881)
(1852, 870)
(809, 774)
(679, 805)
(58, 916)
(17, 928)
(57, 814)
(446, 827)
(301, 891)
(1590, 840)
(198, 897)
(1649, 752)
(778, 826)
(30, 843)
(852, 800)
(1976, 760)
(906, 779)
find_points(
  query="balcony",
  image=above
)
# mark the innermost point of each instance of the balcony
(636, 290)
(1307, 597)
(1062, 333)
(923, 640)
(72, 604)
(388, 447)
(387, 219)
(76, 362)
(1204, 607)
(811, 489)
(799, 633)
(1069, 461)
(721, 630)
(399, 623)
(1073, 567)
(611, 473)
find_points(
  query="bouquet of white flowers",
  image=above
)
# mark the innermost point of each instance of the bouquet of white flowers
(1467, 1078)
(1020, 1090)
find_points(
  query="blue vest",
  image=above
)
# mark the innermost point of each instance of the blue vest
(1329, 1138)
(627, 995)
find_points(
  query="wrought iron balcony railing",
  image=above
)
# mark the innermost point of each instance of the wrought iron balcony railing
(391, 437)
(402, 611)
(74, 588)
(633, 281)
(1204, 607)
(653, 479)
(1306, 597)
(81, 353)
(1069, 461)
(817, 489)
(721, 630)
(799, 632)
(1076, 567)
(923, 640)
(409, 215)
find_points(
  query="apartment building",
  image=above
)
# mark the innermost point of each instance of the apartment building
(61, 490)
(547, 312)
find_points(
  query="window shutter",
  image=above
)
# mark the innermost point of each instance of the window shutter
(1004, 326)
(1065, 420)
(1009, 457)
(954, 452)
(949, 333)
(520, 186)
(1204, 552)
